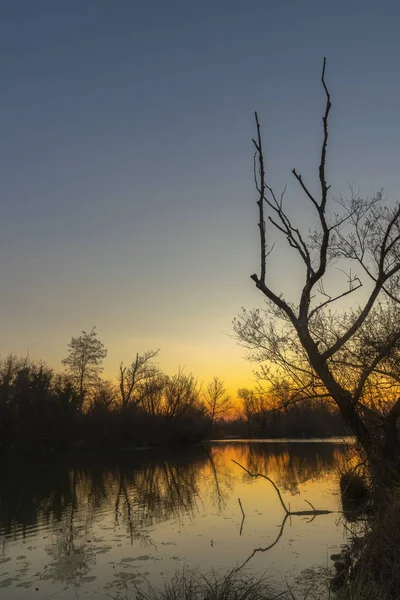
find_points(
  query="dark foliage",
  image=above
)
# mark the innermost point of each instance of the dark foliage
(40, 410)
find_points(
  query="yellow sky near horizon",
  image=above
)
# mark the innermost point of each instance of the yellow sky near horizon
(222, 357)
(214, 353)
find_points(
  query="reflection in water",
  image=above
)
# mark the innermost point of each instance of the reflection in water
(143, 490)
(79, 516)
(311, 513)
(290, 464)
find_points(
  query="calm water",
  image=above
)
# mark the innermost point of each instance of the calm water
(88, 528)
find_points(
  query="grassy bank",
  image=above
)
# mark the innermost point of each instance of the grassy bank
(235, 585)
(189, 584)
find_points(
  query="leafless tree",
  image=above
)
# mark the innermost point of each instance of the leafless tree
(254, 408)
(216, 401)
(181, 393)
(152, 390)
(319, 341)
(104, 397)
(133, 380)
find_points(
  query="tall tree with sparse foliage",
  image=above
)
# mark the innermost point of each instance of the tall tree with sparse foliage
(84, 362)
(216, 400)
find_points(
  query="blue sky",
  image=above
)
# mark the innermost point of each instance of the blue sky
(126, 188)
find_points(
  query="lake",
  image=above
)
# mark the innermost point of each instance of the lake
(91, 526)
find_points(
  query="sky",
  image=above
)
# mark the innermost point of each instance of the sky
(126, 191)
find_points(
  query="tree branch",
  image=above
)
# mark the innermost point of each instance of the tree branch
(324, 187)
(334, 299)
(243, 516)
(372, 366)
(260, 201)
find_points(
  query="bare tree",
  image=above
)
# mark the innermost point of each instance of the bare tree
(317, 343)
(257, 406)
(84, 362)
(216, 401)
(133, 380)
(248, 408)
(103, 398)
(152, 390)
(181, 393)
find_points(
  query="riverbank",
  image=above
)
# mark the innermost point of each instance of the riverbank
(374, 570)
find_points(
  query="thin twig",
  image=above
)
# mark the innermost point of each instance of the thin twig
(313, 507)
(243, 518)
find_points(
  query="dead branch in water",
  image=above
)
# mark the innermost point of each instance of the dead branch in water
(288, 513)
(244, 516)
(297, 513)
(256, 550)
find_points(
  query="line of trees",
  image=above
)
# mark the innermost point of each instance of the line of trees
(40, 408)
(77, 408)
(275, 413)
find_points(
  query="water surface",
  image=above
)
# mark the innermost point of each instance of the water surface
(91, 526)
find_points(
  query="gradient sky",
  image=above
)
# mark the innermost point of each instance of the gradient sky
(126, 188)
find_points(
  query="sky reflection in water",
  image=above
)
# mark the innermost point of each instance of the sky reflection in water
(89, 526)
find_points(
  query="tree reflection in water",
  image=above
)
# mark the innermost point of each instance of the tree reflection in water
(289, 464)
(68, 496)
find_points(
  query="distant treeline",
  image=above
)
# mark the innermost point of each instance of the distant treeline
(77, 409)
(306, 419)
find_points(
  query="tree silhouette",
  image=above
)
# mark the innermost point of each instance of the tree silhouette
(134, 380)
(216, 401)
(84, 362)
(351, 355)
